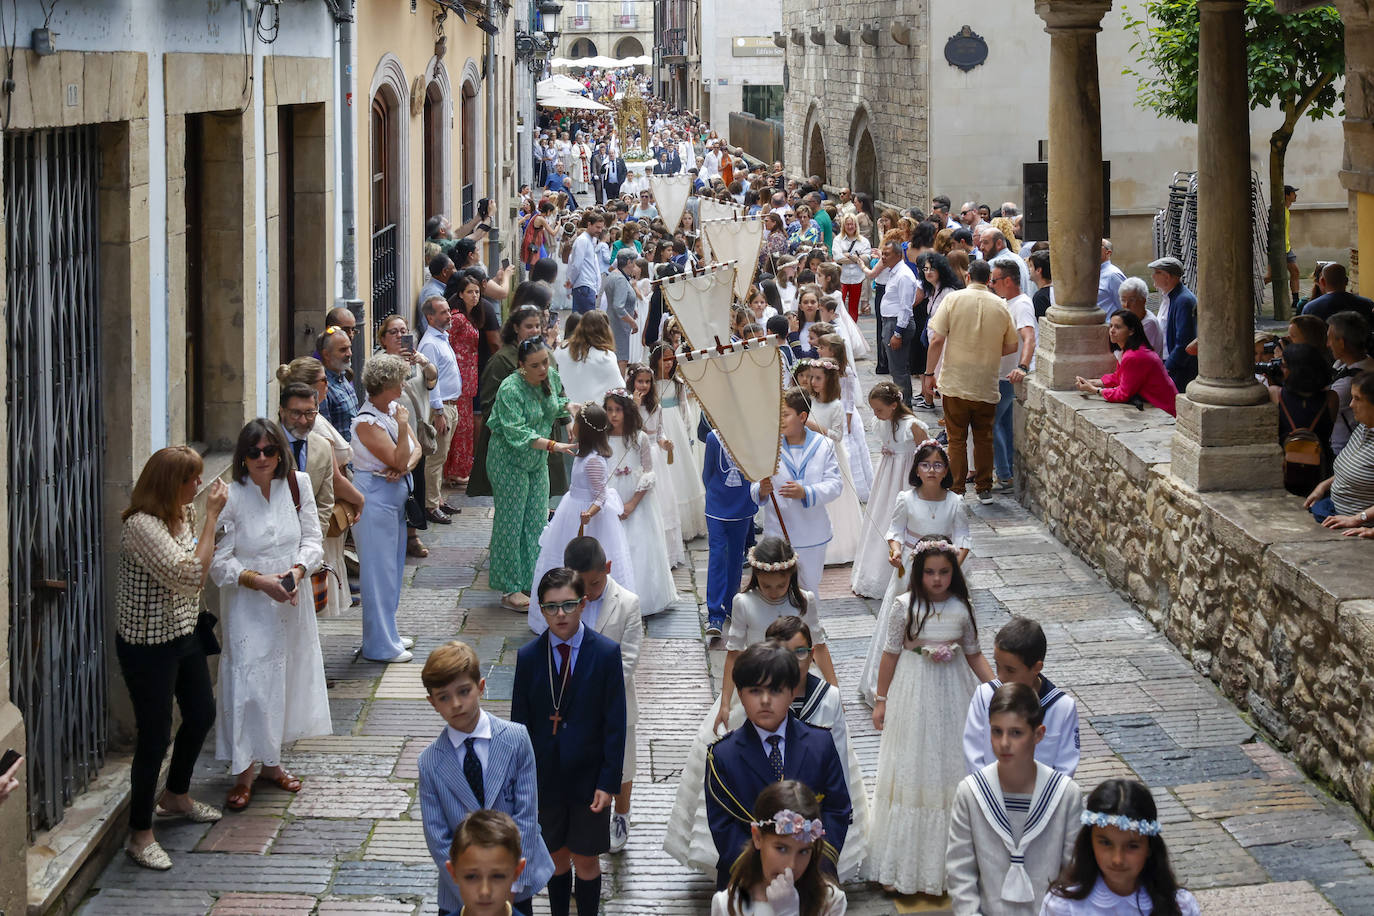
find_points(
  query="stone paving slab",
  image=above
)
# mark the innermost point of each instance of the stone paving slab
(242, 833)
(397, 841)
(223, 871)
(334, 837)
(1291, 898)
(347, 796)
(236, 904)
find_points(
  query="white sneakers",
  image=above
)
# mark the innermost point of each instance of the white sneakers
(620, 831)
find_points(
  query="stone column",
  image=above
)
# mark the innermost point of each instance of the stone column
(1073, 337)
(1226, 433)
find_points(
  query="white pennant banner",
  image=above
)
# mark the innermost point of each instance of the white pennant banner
(715, 209)
(701, 304)
(741, 392)
(737, 240)
(670, 196)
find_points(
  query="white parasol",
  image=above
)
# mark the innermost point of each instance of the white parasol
(561, 100)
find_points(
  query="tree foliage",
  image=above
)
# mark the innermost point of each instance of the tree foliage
(1293, 61)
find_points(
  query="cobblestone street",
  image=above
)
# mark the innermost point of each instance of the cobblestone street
(1246, 830)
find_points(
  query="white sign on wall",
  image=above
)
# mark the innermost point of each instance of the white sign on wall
(754, 46)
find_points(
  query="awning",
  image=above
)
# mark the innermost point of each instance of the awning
(561, 100)
(602, 61)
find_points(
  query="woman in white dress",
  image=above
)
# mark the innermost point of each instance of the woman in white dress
(828, 419)
(632, 474)
(685, 469)
(271, 675)
(897, 431)
(929, 509)
(640, 380)
(310, 371)
(644, 288)
(586, 361)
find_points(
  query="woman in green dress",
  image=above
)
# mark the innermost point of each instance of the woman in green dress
(520, 423)
(524, 322)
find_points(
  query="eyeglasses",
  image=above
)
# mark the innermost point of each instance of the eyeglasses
(801, 651)
(932, 466)
(334, 329)
(394, 330)
(566, 608)
(267, 451)
(300, 415)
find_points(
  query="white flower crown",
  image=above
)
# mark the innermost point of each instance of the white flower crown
(779, 566)
(1119, 821)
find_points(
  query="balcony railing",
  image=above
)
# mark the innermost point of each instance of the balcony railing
(625, 21)
(579, 23)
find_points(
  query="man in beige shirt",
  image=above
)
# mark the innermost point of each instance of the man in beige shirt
(971, 330)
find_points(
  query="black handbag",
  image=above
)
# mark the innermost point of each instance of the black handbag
(205, 632)
(415, 513)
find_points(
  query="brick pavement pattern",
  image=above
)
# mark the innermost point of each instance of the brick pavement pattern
(1247, 831)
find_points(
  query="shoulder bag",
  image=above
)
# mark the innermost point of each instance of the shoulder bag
(319, 580)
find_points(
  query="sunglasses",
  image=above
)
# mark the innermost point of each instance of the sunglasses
(567, 608)
(801, 651)
(267, 451)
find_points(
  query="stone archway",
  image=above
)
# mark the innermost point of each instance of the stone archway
(629, 46)
(813, 153)
(582, 47)
(863, 163)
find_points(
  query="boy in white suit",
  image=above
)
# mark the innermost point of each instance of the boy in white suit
(479, 761)
(613, 611)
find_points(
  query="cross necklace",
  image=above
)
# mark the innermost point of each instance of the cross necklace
(557, 700)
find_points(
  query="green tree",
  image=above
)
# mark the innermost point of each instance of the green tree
(1293, 62)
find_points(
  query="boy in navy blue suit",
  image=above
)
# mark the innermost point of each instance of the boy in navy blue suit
(479, 762)
(771, 746)
(570, 694)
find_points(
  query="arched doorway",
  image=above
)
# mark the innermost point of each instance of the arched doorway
(469, 127)
(387, 171)
(815, 155)
(434, 135)
(629, 46)
(582, 47)
(864, 176)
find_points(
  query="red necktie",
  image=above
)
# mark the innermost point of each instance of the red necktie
(565, 655)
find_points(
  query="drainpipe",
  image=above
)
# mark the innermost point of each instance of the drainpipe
(347, 187)
(494, 237)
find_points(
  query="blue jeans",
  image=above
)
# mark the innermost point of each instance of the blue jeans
(1323, 509)
(381, 538)
(583, 299)
(726, 540)
(898, 360)
(1002, 453)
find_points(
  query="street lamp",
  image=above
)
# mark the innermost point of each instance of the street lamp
(548, 17)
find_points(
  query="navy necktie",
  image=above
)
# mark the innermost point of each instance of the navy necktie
(472, 770)
(775, 756)
(298, 446)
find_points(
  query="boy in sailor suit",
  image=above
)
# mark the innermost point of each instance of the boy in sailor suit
(772, 745)
(499, 776)
(1019, 652)
(808, 477)
(1014, 821)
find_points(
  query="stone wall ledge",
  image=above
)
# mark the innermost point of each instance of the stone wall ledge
(1273, 608)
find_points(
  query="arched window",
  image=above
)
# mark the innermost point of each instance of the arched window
(469, 176)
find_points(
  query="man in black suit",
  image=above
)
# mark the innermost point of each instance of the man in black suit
(570, 694)
(616, 170)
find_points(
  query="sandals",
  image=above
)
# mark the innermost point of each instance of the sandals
(239, 796)
(515, 601)
(285, 781)
(415, 549)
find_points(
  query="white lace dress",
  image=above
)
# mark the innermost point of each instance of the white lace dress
(271, 673)
(872, 572)
(921, 758)
(846, 516)
(686, 467)
(912, 519)
(667, 494)
(855, 443)
(588, 486)
(632, 472)
(836, 904)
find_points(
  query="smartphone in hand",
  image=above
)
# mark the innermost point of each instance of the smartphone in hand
(288, 582)
(408, 342)
(8, 761)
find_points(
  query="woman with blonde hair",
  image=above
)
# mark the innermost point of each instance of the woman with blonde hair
(851, 254)
(587, 362)
(308, 370)
(161, 652)
(419, 383)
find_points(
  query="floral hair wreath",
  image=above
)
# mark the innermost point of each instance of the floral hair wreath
(928, 545)
(934, 442)
(789, 823)
(618, 392)
(826, 363)
(1119, 821)
(582, 417)
(780, 566)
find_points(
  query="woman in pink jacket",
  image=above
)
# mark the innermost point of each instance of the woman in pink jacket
(1140, 372)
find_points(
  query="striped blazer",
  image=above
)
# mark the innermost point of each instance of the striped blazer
(510, 785)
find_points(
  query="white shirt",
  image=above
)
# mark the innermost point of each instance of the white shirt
(1154, 331)
(584, 264)
(781, 732)
(1022, 316)
(575, 642)
(435, 347)
(592, 612)
(900, 294)
(482, 734)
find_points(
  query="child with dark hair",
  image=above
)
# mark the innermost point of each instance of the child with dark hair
(1019, 655)
(834, 346)
(828, 417)
(639, 379)
(678, 423)
(1120, 827)
(569, 693)
(929, 509)
(636, 483)
(1013, 821)
(919, 762)
(898, 432)
(778, 867)
(771, 746)
(592, 506)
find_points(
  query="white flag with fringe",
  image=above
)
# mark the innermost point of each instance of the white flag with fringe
(670, 196)
(740, 390)
(737, 240)
(701, 304)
